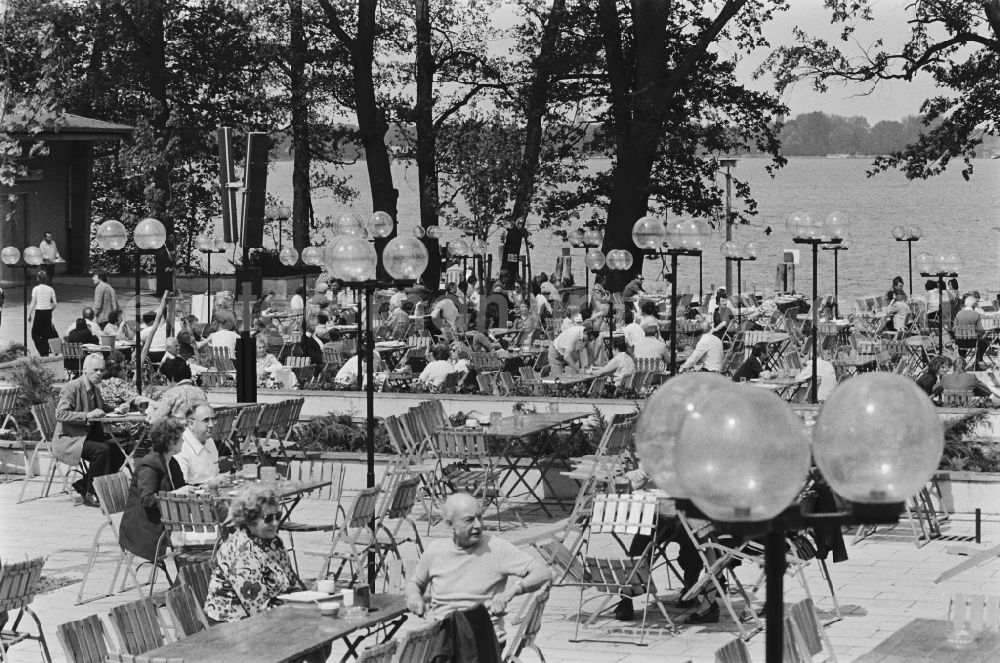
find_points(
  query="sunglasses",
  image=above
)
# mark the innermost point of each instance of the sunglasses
(271, 518)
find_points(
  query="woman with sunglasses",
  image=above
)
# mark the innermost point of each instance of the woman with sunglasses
(140, 528)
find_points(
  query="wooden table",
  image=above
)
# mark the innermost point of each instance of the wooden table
(927, 640)
(776, 385)
(289, 493)
(285, 633)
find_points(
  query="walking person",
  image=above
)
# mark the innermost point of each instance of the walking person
(43, 302)
(50, 256)
(105, 298)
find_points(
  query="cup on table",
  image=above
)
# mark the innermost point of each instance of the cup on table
(250, 471)
(348, 598)
(268, 473)
(326, 586)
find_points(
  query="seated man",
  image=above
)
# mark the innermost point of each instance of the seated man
(76, 436)
(199, 457)
(224, 337)
(436, 371)
(471, 568)
(752, 368)
(173, 366)
(970, 318)
(708, 353)
(445, 315)
(650, 345)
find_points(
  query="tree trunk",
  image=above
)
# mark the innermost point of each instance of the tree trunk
(426, 139)
(536, 103)
(302, 156)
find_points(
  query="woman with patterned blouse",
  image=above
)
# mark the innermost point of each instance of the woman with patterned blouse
(251, 567)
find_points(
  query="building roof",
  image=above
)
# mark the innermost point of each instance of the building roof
(76, 127)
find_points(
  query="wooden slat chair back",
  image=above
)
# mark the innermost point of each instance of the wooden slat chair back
(527, 373)
(196, 576)
(85, 640)
(383, 653)
(296, 362)
(185, 513)
(507, 385)
(485, 384)
(315, 470)
(624, 514)
(333, 356)
(806, 634)
(418, 646)
(650, 364)
(222, 432)
(138, 626)
(974, 613)
(73, 356)
(529, 623)
(354, 531)
(244, 426)
(569, 566)
(222, 359)
(185, 611)
(734, 651)
(597, 386)
(112, 494)
(960, 398)
(44, 415)
(450, 383)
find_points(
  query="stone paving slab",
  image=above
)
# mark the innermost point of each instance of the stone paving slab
(886, 583)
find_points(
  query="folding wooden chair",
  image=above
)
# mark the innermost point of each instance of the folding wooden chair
(9, 425)
(418, 646)
(222, 433)
(734, 651)
(222, 359)
(383, 653)
(18, 581)
(138, 626)
(974, 613)
(86, 641)
(242, 434)
(73, 356)
(354, 532)
(620, 515)
(112, 493)
(474, 470)
(399, 508)
(185, 611)
(196, 576)
(597, 385)
(529, 623)
(310, 470)
(808, 637)
(186, 514)
(45, 419)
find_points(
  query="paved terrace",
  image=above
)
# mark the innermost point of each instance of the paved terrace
(886, 583)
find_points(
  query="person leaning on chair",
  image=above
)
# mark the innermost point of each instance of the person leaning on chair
(76, 436)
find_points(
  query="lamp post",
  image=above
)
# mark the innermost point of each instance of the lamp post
(816, 232)
(11, 256)
(740, 457)
(837, 248)
(617, 260)
(593, 259)
(149, 236)
(352, 259)
(729, 164)
(940, 267)
(908, 234)
(312, 257)
(478, 249)
(732, 252)
(207, 246)
(278, 213)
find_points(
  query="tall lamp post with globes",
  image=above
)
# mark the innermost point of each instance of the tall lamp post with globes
(816, 232)
(939, 267)
(837, 248)
(207, 246)
(352, 259)
(908, 234)
(741, 457)
(32, 258)
(732, 252)
(149, 237)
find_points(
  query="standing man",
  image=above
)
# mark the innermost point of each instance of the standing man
(77, 436)
(565, 350)
(199, 457)
(105, 298)
(472, 567)
(50, 256)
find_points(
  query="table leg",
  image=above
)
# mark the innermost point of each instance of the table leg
(389, 628)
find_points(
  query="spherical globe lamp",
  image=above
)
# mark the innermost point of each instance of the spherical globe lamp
(660, 423)
(925, 264)
(807, 227)
(203, 243)
(915, 232)
(349, 224)
(575, 238)
(419, 232)
(742, 455)
(730, 249)
(10, 255)
(619, 259)
(288, 256)
(594, 259)
(952, 263)
(354, 260)
(751, 250)
(33, 255)
(688, 235)
(459, 248)
(380, 224)
(648, 233)
(837, 225)
(149, 235)
(878, 439)
(794, 220)
(478, 247)
(111, 235)
(433, 232)
(405, 258)
(899, 233)
(313, 255)
(593, 238)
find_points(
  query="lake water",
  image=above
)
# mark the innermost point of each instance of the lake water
(955, 215)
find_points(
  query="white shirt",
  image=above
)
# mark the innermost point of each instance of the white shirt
(199, 462)
(708, 352)
(348, 373)
(159, 342)
(549, 290)
(296, 304)
(94, 328)
(569, 340)
(621, 366)
(446, 309)
(633, 333)
(223, 338)
(826, 374)
(435, 372)
(649, 347)
(397, 299)
(542, 304)
(49, 250)
(45, 297)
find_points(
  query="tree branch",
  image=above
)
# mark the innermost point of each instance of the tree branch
(455, 107)
(130, 26)
(336, 25)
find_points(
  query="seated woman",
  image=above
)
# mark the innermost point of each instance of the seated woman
(620, 366)
(157, 471)
(266, 362)
(928, 380)
(436, 371)
(81, 333)
(114, 327)
(251, 567)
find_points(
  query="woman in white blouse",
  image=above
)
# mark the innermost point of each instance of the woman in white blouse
(43, 302)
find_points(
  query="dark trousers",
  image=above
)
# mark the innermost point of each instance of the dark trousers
(50, 269)
(102, 458)
(41, 328)
(668, 529)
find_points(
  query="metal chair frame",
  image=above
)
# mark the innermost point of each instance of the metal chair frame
(18, 581)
